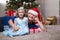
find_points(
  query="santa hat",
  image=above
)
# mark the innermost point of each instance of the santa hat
(33, 11)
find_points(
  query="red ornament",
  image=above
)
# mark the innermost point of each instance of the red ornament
(10, 13)
(30, 6)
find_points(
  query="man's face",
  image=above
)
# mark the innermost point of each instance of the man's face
(21, 13)
(31, 17)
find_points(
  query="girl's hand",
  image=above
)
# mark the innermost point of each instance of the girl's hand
(45, 30)
(39, 30)
(16, 29)
(36, 19)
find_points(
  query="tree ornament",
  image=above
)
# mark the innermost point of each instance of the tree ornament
(30, 3)
(15, 0)
(26, 3)
(30, 6)
(10, 13)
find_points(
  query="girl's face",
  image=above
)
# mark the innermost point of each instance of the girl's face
(31, 17)
(20, 13)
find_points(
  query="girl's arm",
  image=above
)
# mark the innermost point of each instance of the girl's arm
(41, 25)
(13, 25)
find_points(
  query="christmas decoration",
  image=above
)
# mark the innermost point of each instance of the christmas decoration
(33, 30)
(15, 4)
(10, 13)
(52, 20)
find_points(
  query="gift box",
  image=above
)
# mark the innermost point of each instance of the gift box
(52, 20)
(33, 30)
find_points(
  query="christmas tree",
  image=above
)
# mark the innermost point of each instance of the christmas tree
(15, 4)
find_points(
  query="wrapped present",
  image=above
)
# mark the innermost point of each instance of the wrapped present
(31, 31)
(48, 22)
(10, 13)
(34, 30)
(51, 20)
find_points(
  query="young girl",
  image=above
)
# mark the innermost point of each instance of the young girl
(21, 22)
(34, 24)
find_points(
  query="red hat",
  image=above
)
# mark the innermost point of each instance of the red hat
(33, 11)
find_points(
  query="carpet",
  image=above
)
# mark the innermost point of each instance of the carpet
(53, 33)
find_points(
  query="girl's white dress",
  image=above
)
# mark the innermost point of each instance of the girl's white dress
(23, 27)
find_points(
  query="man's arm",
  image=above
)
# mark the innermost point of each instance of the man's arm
(12, 25)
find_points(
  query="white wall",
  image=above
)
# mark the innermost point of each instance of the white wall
(2, 7)
(50, 7)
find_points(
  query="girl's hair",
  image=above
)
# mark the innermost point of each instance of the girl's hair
(17, 15)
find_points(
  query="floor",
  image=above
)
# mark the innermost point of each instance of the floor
(53, 33)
